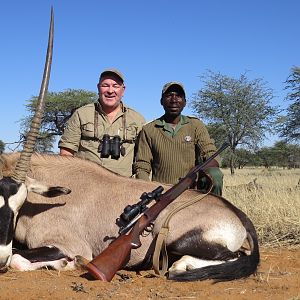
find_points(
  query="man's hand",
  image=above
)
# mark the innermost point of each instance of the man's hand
(204, 182)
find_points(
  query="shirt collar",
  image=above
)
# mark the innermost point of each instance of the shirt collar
(162, 123)
(100, 110)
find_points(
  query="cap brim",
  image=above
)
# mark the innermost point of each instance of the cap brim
(172, 84)
(112, 72)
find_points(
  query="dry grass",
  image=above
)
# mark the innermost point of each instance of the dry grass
(271, 200)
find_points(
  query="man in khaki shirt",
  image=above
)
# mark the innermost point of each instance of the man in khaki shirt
(104, 132)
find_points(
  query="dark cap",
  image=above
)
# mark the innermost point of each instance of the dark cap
(171, 84)
(112, 71)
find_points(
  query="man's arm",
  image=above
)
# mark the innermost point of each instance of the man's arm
(205, 144)
(212, 164)
(142, 165)
(66, 152)
(69, 141)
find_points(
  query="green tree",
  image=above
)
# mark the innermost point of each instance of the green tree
(59, 107)
(282, 154)
(285, 154)
(2, 146)
(238, 107)
(289, 127)
(265, 156)
(243, 157)
(217, 132)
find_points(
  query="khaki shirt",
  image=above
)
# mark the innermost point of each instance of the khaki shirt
(82, 136)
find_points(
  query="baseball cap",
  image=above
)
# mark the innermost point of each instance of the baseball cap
(112, 71)
(172, 83)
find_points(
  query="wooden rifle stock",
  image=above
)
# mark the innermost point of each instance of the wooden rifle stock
(117, 254)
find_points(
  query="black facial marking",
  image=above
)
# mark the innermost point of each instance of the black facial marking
(6, 225)
(8, 188)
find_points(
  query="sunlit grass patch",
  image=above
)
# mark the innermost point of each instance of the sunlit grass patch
(271, 198)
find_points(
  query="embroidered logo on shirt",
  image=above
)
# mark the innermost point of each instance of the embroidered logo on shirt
(187, 138)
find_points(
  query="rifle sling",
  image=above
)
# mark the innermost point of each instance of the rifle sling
(161, 242)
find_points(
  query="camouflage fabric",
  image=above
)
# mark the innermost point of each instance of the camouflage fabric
(82, 136)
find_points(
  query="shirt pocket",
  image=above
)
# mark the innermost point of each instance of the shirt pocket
(131, 132)
(87, 130)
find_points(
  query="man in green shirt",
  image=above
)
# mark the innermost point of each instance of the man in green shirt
(171, 145)
(104, 132)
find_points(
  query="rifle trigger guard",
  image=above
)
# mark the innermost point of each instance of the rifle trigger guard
(148, 230)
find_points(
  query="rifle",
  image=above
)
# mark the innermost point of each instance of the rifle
(117, 254)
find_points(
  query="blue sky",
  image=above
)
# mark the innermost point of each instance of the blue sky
(151, 42)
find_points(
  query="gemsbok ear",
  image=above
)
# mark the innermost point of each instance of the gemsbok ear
(45, 190)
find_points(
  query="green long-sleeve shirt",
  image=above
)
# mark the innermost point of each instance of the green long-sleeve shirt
(170, 155)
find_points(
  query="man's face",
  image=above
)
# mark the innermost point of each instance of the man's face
(173, 101)
(111, 90)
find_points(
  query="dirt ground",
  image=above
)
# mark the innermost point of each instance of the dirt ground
(278, 278)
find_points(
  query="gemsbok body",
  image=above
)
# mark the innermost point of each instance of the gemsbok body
(209, 239)
(83, 222)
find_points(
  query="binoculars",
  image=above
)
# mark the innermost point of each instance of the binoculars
(111, 146)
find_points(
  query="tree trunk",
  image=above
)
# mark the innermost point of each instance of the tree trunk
(232, 163)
